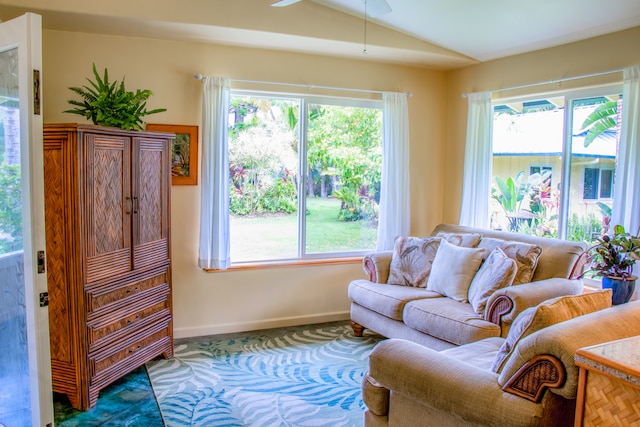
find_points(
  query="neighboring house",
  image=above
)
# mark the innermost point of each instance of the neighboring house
(533, 142)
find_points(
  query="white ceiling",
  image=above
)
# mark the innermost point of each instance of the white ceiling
(444, 34)
(490, 29)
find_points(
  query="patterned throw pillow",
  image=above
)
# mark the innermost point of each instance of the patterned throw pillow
(412, 259)
(524, 254)
(498, 271)
(453, 270)
(467, 240)
(546, 314)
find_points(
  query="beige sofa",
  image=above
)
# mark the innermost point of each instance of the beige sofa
(411, 385)
(439, 322)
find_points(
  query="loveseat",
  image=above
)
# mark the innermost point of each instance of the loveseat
(434, 300)
(532, 381)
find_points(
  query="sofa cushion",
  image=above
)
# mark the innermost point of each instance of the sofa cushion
(497, 271)
(479, 353)
(449, 320)
(411, 260)
(385, 299)
(524, 254)
(548, 313)
(453, 270)
(467, 240)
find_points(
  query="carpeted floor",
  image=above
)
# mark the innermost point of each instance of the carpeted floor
(300, 376)
(307, 375)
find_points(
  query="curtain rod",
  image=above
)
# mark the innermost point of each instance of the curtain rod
(583, 76)
(308, 86)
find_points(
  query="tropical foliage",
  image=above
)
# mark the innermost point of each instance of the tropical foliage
(602, 119)
(110, 104)
(11, 238)
(541, 206)
(615, 255)
(343, 157)
(10, 208)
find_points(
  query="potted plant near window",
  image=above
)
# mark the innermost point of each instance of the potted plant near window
(613, 258)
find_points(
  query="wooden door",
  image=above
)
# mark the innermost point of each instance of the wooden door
(151, 186)
(108, 205)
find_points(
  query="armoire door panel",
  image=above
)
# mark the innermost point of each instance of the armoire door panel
(108, 204)
(150, 171)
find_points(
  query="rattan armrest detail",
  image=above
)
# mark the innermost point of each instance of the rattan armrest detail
(499, 307)
(539, 373)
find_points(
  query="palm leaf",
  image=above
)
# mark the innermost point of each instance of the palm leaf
(602, 119)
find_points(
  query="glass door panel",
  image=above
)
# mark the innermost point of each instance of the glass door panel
(594, 143)
(527, 166)
(15, 403)
(344, 169)
(25, 373)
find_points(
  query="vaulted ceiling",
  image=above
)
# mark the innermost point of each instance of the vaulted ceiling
(427, 33)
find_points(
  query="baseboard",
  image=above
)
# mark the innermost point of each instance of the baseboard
(282, 322)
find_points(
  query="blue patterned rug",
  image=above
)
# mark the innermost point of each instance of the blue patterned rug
(299, 376)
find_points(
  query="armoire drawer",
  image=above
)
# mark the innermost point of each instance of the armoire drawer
(119, 323)
(120, 358)
(111, 296)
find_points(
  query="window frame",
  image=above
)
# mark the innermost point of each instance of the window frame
(304, 100)
(568, 97)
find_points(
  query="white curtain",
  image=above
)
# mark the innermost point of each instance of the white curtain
(476, 183)
(626, 205)
(214, 211)
(394, 216)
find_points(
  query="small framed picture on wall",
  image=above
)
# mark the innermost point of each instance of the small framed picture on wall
(184, 152)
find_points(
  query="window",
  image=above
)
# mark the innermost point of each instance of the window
(553, 170)
(598, 184)
(304, 177)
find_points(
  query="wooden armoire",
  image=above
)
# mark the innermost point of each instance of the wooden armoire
(107, 205)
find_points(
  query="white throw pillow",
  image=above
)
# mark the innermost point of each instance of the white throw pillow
(453, 270)
(497, 271)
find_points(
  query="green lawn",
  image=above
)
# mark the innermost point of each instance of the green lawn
(275, 236)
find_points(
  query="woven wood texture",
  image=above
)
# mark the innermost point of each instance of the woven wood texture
(108, 203)
(500, 306)
(542, 372)
(60, 337)
(150, 198)
(610, 402)
(107, 317)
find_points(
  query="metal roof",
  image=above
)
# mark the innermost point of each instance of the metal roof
(540, 133)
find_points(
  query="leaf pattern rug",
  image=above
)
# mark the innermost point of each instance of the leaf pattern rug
(299, 376)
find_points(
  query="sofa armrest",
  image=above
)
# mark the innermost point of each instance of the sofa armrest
(505, 304)
(376, 265)
(470, 394)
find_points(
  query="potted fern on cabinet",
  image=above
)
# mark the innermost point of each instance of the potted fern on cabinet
(110, 104)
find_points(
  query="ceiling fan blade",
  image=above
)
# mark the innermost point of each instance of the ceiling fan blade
(377, 8)
(282, 3)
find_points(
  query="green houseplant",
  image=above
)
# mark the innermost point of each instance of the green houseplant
(110, 104)
(612, 257)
